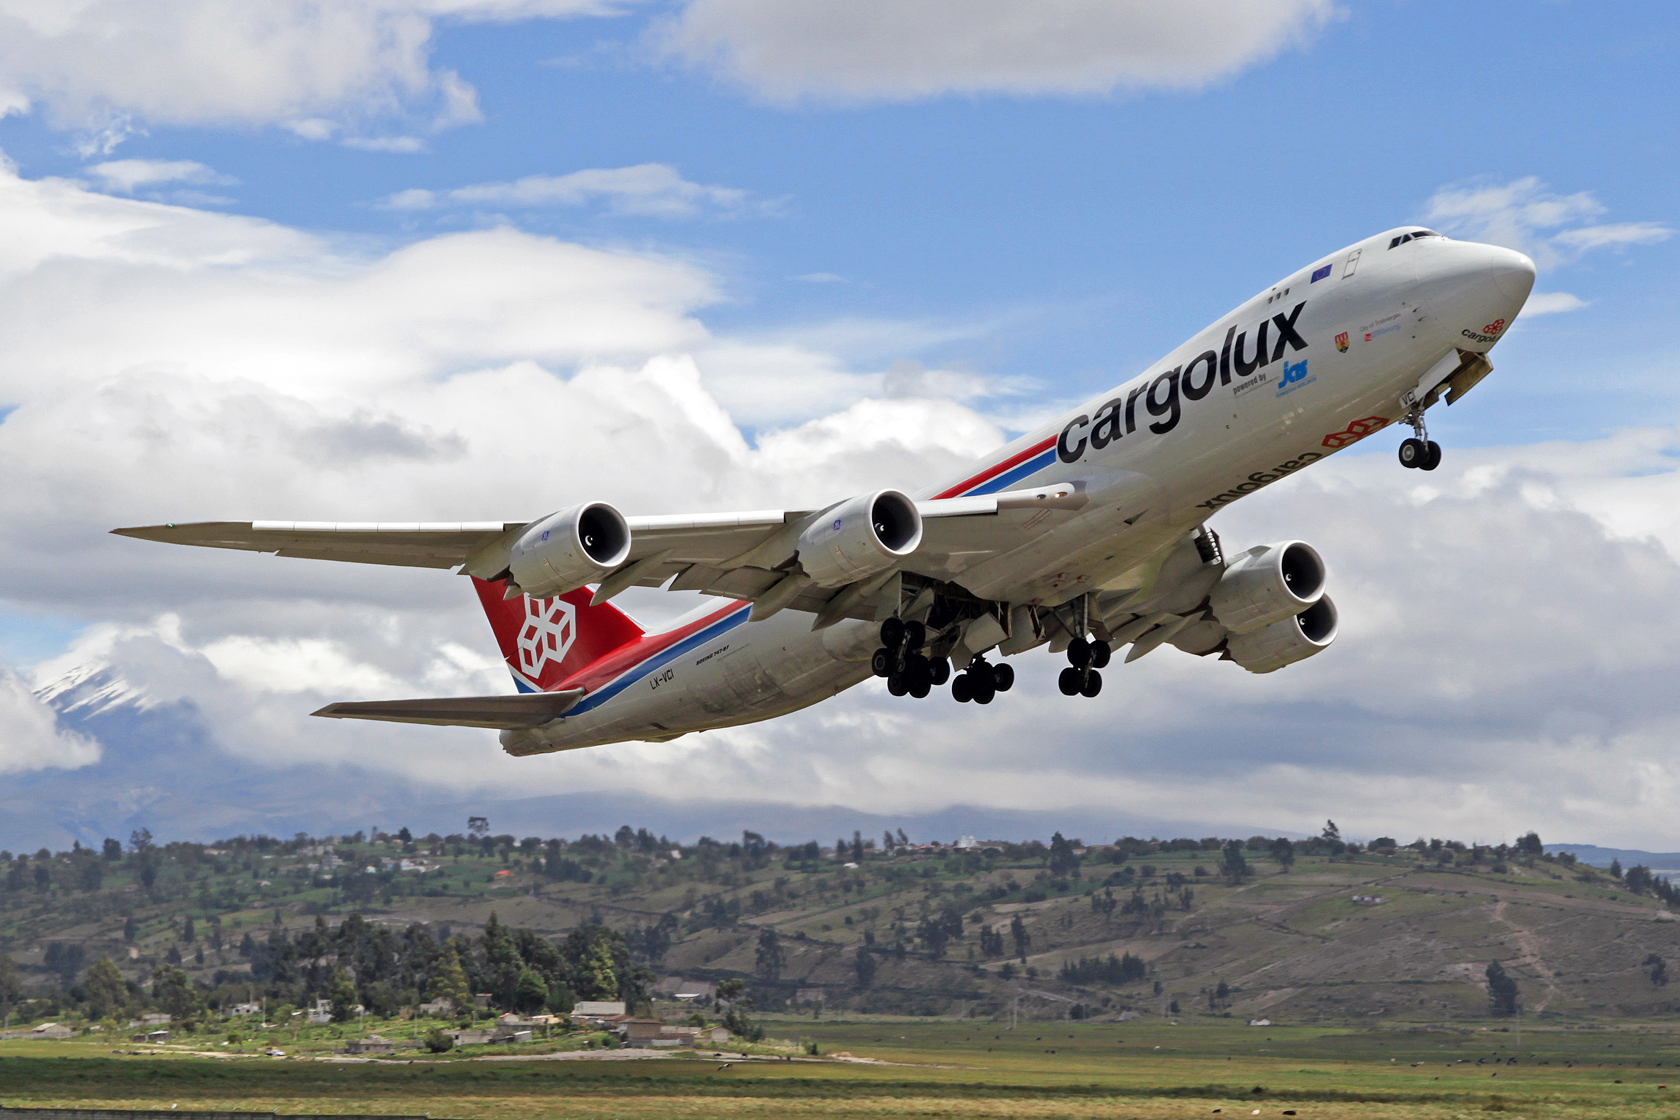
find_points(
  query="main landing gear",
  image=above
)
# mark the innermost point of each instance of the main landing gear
(1419, 451)
(1081, 678)
(900, 660)
(982, 681)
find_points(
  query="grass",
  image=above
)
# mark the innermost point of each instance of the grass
(930, 1069)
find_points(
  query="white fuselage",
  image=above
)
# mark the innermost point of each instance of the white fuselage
(1299, 371)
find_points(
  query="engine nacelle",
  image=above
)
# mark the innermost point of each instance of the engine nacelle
(1282, 643)
(1268, 583)
(566, 550)
(859, 537)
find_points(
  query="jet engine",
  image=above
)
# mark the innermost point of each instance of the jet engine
(566, 550)
(859, 537)
(1284, 642)
(1266, 584)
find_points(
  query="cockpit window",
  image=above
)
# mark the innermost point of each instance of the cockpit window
(1412, 236)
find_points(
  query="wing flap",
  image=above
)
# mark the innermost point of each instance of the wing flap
(523, 710)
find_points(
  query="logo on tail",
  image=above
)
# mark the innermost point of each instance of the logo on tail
(548, 632)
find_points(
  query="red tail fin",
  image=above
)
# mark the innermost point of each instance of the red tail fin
(544, 641)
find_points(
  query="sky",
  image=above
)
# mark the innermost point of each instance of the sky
(483, 259)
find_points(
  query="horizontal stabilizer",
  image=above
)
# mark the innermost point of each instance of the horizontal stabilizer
(526, 709)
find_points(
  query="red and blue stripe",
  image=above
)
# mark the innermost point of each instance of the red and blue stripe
(1001, 476)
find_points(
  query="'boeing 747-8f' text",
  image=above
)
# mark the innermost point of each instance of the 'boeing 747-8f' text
(1088, 536)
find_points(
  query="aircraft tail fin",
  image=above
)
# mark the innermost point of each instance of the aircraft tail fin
(545, 641)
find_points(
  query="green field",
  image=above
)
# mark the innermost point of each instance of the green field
(921, 1068)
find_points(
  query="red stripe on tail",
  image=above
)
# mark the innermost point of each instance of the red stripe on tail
(544, 641)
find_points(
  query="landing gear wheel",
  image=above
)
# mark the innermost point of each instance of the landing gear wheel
(1003, 677)
(941, 669)
(915, 635)
(1100, 653)
(892, 633)
(1413, 453)
(1079, 653)
(962, 689)
(883, 663)
(897, 685)
(920, 687)
(918, 675)
(1092, 684)
(1432, 458)
(1069, 681)
(981, 674)
(983, 692)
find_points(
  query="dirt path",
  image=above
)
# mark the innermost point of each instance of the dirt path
(1529, 945)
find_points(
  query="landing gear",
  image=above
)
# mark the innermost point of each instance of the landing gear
(981, 682)
(899, 660)
(1085, 657)
(1419, 451)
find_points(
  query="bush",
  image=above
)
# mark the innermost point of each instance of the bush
(438, 1042)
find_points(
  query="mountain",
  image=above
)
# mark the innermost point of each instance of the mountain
(1662, 863)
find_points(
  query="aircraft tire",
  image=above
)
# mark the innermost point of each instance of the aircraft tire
(897, 685)
(1069, 681)
(1003, 677)
(941, 669)
(985, 693)
(1079, 653)
(920, 688)
(892, 632)
(883, 663)
(1092, 684)
(1413, 453)
(1100, 653)
(1432, 459)
(915, 635)
(962, 689)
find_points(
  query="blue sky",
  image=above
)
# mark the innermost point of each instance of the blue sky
(721, 253)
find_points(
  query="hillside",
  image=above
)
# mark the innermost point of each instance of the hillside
(1314, 931)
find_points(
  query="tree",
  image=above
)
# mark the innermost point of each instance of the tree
(865, 965)
(857, 847)
(478, 827)
(1232, 863)
(343, 995)
(91, 876)
(1331, 832)
(1616, 868)
(1529, 844)
(438, 1042)
(600, 981)
(769, 960)
(140, 840)
(172, 992)
(1659, 970)
(1283, 851)
(132, 927)
(1062, 859)
(449, 979)
(1018, 930)
(530, 993)
(189, 932)
(113, 849)
(107, 992)
(1502, 991)
(10, 989)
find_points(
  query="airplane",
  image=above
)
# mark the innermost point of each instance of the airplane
(1087, 536)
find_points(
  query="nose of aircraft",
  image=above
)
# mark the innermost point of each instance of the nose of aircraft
(1478, 288)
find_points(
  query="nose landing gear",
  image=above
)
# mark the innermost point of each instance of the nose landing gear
(1419, 452)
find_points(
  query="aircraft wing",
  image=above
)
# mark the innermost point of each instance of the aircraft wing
(525, 709)
(736, 555)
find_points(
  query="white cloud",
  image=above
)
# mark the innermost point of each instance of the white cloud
(647, 189)
(30, 738)
(894, 50)
(1522, 214)
(127, 175)
(1552, 303)
(97, 64)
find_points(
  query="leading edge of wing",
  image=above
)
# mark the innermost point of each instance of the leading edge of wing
(421, 544)
(523, 710)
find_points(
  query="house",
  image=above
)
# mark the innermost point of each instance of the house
(442, 1007)
(717, 1036)
(675, 987)
(245, 1009)
(155, 1019)
(52, 1030)
(372, 1044)
(639, 1034)
(321, 1012)
(1259, 1022)
(481, 1000)
(470, 1038)
(506, 1034)
(594, 1009)
(808, 995)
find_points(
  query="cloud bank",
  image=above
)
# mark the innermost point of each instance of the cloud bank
(891, 50)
